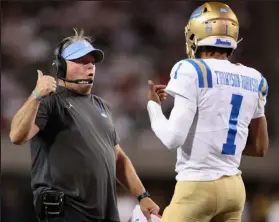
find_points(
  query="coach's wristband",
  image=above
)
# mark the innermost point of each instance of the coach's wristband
(145, 194)
(38, 97)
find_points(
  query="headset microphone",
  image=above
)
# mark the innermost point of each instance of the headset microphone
(78, 81)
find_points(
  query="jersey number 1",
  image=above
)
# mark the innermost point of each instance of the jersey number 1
(229, 147)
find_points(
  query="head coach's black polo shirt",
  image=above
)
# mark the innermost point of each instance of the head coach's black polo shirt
(74, 152)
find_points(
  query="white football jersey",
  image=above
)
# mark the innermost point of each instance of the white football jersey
(228, 97)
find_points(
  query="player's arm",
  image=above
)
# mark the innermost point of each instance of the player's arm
(258, 141)
(183, 86)
(173, 131)
(33, 115)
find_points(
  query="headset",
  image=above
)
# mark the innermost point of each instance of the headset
(60, 66)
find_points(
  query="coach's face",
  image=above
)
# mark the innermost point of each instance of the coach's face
(81, 57)
(82, 68)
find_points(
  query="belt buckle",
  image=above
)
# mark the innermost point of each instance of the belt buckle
(52, 201)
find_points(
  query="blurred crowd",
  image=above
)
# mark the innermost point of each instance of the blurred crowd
(141, 40)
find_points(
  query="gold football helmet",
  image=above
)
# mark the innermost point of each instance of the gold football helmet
(211, 24)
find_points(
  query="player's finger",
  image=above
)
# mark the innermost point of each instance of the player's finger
(151, 85)
(162, 94)
(160, 86)
(160, 91)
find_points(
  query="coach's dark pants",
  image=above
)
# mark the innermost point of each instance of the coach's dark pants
(72, 215)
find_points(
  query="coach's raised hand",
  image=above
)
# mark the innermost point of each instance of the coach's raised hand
(23, 125)
(45, 84)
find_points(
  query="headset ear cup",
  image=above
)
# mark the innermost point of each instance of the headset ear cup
(55, 67)
(62, 67)
(60, 64)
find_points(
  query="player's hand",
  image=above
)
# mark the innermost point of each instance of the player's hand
(45, 84)
(156, 92)
(148, 207)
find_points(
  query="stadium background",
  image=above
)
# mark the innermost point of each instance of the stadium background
(141, 40)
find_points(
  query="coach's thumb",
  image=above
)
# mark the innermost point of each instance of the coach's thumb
(151, 85)
(40, 74)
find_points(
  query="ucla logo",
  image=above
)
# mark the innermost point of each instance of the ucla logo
(223, 10)
(104, 115)
(208, 28)
(222, 42)
(196, 13)
(102, 110)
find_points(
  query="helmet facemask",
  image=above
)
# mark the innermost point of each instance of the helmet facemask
(191, 42)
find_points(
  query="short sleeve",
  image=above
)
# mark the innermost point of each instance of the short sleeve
(183, 81)
(263, 91)
(116, 138)
(44, 112)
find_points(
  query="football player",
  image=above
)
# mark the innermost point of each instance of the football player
(217, 104)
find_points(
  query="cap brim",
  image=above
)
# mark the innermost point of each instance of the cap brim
(81, 48)
(96, 53)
